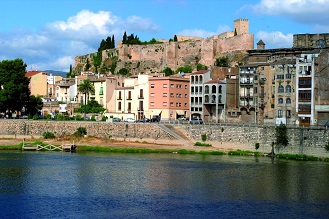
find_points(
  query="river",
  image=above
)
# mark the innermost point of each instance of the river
(107, 185)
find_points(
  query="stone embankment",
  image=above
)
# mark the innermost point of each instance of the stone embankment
(302, 140)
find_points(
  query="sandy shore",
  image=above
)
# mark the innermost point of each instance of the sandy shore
(131, 143)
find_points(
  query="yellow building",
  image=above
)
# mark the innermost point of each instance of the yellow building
(38, 82)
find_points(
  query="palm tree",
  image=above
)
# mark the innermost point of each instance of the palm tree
(86, 87)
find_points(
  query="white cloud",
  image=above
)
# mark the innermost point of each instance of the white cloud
(55, 46)
(275, 39)
(304, 11)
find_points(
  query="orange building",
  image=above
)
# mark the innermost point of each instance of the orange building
(169, 97)
(38, 82)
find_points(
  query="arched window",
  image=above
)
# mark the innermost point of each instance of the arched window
(200, 79)
(206, 88)
(206, 98)
(213, 99)
(288, 89)
(280, 101)
(220, 89)
(192, 79)
(219, 98)
(213, 89)
(281, 89)
(288, 101)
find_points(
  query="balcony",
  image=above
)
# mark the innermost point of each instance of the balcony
(128, 98)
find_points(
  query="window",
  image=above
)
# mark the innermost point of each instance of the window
(288, 113)
(119, 106)
(280, 89)
(152, 85)
(280, 113)
(185, 95)
(171, 85)
(101, 91)
(171, 104)
(171, 94)
(280, 77)
(185, 86)
(185, 104)
(165, 85)
(288, 101)
(206, 89)
(152, 94)
(119, 98)
(152, 103)
(304, 95)
(164, 104)
(288, 89)
(165, 94)
(280, 101)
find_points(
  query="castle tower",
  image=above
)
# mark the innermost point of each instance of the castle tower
(260, 44)
(241, 26)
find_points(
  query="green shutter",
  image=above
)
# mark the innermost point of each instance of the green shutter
(101, 91)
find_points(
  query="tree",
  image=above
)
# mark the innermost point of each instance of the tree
(14, 86)
(34, 105)
(124, 71)
(124, 38)
(86, 87)
(168, 71)
(235, 33)
(199, 66)
(185, 69)
(222, 62)
(113, 43)
(281, 136)
(175, 38)
(87, 66)
(92, 107)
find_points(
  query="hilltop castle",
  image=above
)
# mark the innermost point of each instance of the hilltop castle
(187, 51)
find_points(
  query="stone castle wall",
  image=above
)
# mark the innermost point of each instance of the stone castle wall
(175, 54)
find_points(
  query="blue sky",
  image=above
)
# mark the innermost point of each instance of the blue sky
(47, 35)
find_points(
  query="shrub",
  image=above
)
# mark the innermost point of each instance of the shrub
(104, 118)
(202, 144)
(48, 117)
(60, 117)
(78, 117)
(204, 137)
(35, 117)
(327, 146)
(257, 146)
(81, 131)
(48, 135)
(92, 118)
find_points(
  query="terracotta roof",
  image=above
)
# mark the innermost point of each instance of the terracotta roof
(200, 72)
(32, 73)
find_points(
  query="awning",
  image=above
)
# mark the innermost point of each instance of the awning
(180, 112)
(155, 112)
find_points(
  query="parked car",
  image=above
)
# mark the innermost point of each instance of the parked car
(155, 119)
(116, 119)
(196, 121)
(130, 120)
(144, 120)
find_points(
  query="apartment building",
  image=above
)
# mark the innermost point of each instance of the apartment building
(169, 97)
(38, 82)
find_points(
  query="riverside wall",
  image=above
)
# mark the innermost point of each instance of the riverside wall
(302, 140)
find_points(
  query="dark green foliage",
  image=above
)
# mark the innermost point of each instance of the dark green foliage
(201, 67)
(93, 118)
(14, 86)
(298, 157)
(168, 71)
(92, 107)
(113, 67)
(222, 62)
(235, 33)
(281, 136)
(34, 105)
(244, 153)
(202, 144)
(107, 44)
(327, 146)
(97, 59)
(60, 117)
(186, 69)
(87, 66)
(204, 137)
(81, 131)
(257, 146)
(47, 117)
(48, 135)
(175, 38)
(70, 74)
(86, 87)
(124, 71)
(104, 118)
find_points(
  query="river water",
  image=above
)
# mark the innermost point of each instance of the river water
(107, 185)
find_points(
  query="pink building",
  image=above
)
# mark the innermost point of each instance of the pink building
(169, 97)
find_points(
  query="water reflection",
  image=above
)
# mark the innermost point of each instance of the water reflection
(155, 185)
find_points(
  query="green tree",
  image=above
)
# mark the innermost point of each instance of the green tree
(34, 105)
(87, 66)
(199, 66)
(124, 71)
(222, 62)
(175, 38)
(92, 107)
(14, 86)
(235, 33)
(97, 59)
(113, 43)
(168, 71)
(86, 87)
(281, 136)
(124, 38)
(185, 69)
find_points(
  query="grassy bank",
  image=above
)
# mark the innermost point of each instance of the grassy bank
(300, 157)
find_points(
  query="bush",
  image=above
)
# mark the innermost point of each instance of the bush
(104, 118)
(48, 117)
(257, 146)
(204, 137)
(327, 146)
(92, 118)
(60, 117)
(202, 144)
(81, 131)
(48, 135)
(35, 117)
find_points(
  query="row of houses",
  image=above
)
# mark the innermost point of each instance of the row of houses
(272, 86)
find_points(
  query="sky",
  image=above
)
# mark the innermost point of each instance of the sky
(48, 34)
